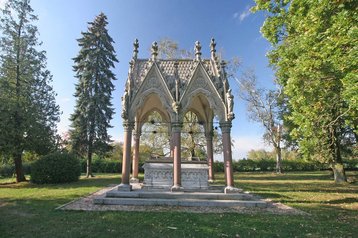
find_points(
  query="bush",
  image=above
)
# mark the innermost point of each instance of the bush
(8, 170)
(56, 168)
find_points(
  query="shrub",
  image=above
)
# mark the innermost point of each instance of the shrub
(8, 170)
(56, 168)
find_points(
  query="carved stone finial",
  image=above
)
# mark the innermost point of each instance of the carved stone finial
(135, 49)
(154, 50)
(212, 49)
(223, 64)
(197, 50)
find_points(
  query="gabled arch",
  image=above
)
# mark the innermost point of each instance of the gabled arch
(153, 84)
(201, 84)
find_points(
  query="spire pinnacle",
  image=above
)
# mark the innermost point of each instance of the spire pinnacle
(212, 49)
(197, 50)
(135, 49)
(154, 50)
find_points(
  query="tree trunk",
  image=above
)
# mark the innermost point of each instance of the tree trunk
(337, 165)
(89, 162)
(278, 160)
(339, 173)
(20, 177)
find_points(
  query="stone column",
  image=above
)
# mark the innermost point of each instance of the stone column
(209, 151)
(176, 130)
(126, 162)
(229, 176)
(135, 162)
(171, 145)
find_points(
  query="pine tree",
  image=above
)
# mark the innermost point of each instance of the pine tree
(94, 110)
(28, 112)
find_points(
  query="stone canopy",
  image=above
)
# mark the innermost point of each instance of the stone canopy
(173, 87)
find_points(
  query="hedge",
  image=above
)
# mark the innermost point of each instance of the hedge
(56, 168)
(111, 166)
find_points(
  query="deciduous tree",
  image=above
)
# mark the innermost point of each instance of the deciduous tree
(315, 57)
(262, 106)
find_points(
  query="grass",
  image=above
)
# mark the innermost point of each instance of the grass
(28, 210)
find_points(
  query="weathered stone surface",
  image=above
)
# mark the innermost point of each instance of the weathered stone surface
(160, 175)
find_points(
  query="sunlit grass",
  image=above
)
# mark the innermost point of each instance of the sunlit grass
(28, 210)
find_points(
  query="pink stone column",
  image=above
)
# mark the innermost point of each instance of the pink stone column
(226, 137)
(171, 143)
(126, 162)
(135, 162)
(176, 130)
(209, 151)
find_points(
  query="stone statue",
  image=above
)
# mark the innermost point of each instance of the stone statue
(124, 104)
(230, 102)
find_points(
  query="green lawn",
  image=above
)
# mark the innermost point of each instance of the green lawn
(28, 210)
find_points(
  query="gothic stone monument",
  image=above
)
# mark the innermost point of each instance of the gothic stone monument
(172, 88)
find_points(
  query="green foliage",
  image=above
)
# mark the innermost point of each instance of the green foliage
(56, 168)
(287, 165)
(8, 170)
(263, 154)
(103, 166)
(93, 110)
(28, 110)
(155, 137)
(315, 47)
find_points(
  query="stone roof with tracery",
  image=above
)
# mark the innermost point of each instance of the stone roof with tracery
(176, 74)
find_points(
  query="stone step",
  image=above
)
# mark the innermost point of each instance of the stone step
(179, 195)
(177, 202)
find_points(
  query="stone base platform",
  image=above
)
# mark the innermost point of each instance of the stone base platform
(211, 197)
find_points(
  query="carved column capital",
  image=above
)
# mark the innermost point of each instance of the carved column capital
(128, 126)
(225, 126)
(176, 126)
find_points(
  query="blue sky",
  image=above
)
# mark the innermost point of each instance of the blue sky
(236, 30)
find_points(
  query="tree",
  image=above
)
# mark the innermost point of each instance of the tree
(28, 112)
(262, 106)
(315, 57)
(93, 110)
(169, 49)
(155, 135)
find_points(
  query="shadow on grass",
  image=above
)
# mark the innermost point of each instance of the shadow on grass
(83, 182)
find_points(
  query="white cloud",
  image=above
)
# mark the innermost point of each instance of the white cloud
(2, 4)
(243, 15)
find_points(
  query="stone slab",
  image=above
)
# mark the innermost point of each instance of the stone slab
(160, 175)
(178, 202)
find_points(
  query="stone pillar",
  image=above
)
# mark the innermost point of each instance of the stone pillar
(176, 130)
(135, 162)
(209, 151)
(229, 176)
(171, 143)
(126, 162)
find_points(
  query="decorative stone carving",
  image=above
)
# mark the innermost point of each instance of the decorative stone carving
(154, 51)
(125, 105)
(160, 175)
(230, 104)
(135, 49)
(197, 50)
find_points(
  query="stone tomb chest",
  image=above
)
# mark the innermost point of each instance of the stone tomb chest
(159, 174)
